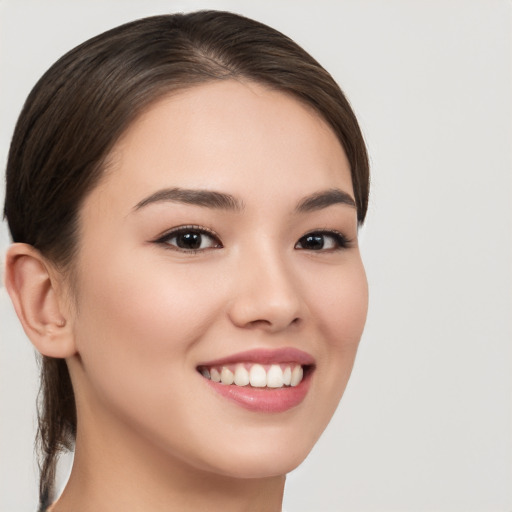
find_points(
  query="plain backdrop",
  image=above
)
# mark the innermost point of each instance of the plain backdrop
(426, 421)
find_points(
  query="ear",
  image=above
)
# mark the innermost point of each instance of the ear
(35, 291)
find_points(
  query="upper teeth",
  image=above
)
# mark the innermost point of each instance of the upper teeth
(274, 376)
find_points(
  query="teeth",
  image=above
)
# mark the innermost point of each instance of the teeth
(297, 375)
(241, 376)
(226, 376)
(275, 377)
(287, 376)
(257, 376)
(214, 375)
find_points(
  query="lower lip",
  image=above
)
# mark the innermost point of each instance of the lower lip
(267, 400)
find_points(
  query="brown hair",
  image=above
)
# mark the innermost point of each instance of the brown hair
(88, 98)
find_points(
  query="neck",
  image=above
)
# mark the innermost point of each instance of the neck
(124, 472)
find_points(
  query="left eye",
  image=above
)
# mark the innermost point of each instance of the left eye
(188, 239)
(322, 241)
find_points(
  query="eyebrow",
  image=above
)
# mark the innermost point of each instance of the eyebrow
(223, 201)
(206, 198)
(323, 199)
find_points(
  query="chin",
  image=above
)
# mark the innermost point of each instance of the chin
(262, 457)
(262, 466)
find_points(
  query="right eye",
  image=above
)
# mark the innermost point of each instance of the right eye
(190, 239)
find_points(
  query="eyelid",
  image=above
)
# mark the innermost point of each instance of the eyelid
(343, 242)
(167, 235)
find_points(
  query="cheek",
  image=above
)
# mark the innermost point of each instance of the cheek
(146, 303)
(338, 309)
(340, 305)
(137, 325)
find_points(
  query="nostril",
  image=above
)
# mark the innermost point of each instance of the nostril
(259, 323)
(274, 324)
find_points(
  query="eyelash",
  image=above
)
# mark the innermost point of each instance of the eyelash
(182, 230)
(340, 240)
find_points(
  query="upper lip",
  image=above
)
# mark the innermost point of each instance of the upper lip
(265, 356)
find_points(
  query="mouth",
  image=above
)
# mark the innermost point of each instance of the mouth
(261, 380)
(257, 375)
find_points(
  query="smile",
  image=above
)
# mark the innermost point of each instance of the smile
(256, 375)
(261, 380)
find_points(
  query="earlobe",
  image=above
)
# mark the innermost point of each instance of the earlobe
(34, 292)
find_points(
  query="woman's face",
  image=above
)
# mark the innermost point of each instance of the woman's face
(222, 243)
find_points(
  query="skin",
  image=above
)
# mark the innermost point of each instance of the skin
(142, 314)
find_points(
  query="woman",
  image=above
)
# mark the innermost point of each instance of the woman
(184, 194)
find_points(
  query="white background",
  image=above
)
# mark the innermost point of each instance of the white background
(426, 422)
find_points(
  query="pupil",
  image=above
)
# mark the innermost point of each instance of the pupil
(189, 240)
(314, 241)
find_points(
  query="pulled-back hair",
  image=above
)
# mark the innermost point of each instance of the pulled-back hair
(85, 102)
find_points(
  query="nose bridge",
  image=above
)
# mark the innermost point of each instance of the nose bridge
(266, 293)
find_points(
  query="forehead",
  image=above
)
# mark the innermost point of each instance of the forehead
(226, 135)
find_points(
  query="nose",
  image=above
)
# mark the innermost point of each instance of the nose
(265, 294)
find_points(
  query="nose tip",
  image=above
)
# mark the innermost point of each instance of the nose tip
(267, 300)
(272, 317)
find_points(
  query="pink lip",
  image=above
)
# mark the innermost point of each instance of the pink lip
(264, 399)
(265, 356)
